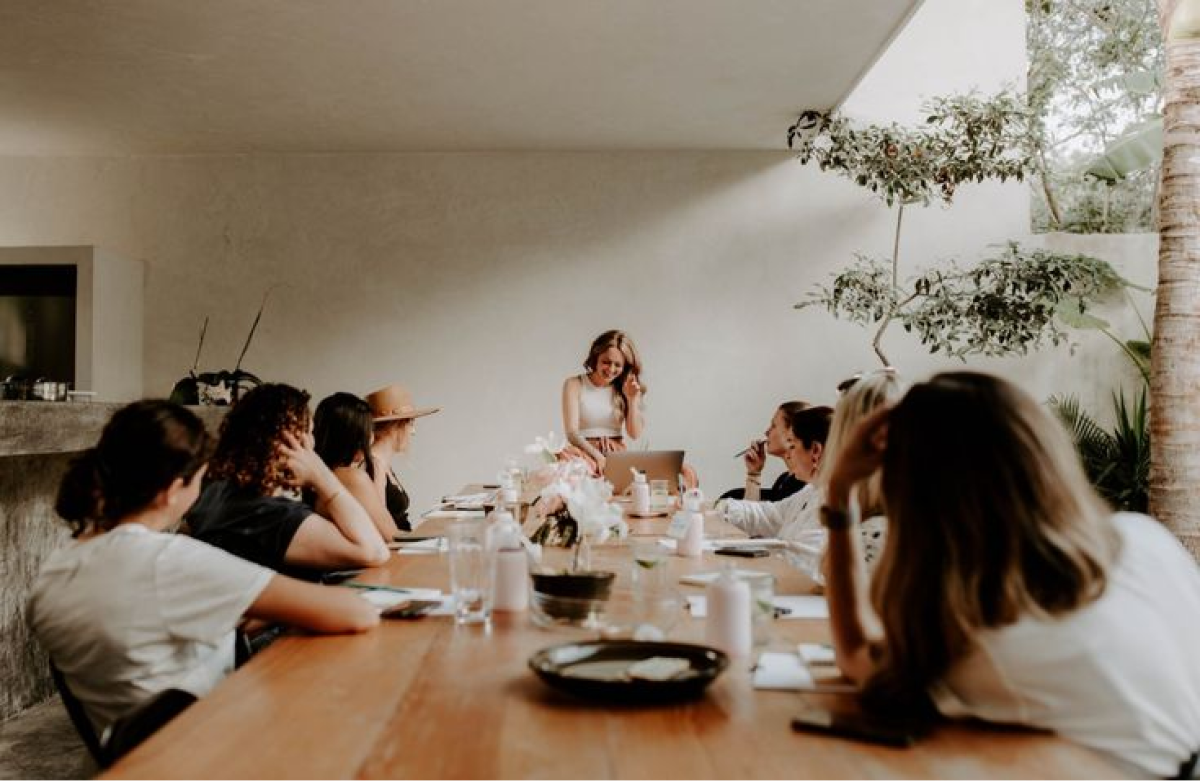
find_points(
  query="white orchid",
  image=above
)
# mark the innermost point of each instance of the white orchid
(548, 447)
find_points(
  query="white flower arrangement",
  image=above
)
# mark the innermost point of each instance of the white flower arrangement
(548, 447)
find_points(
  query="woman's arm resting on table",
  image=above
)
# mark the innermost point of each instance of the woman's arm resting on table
(351, 540)
(364, 489)
(325, 609)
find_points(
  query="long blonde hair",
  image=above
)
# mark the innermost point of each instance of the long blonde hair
(633, 363)
(990, 517)
(864, 396)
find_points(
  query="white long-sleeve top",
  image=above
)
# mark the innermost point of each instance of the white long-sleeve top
(786, 519)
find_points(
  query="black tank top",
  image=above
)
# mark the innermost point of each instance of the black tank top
(396, 499)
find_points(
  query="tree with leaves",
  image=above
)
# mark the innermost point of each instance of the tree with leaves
(1001, 306)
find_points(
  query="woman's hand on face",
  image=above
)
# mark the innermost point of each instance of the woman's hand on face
(756, 456)
(632, 388)
(860, 456)
(306, 466)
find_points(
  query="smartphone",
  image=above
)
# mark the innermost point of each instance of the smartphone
(871, 729)
(338, 576)
(746, 553)
(411, 608)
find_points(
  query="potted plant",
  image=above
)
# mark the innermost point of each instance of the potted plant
(222, 387)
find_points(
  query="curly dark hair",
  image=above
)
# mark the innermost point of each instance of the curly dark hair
(248, 450)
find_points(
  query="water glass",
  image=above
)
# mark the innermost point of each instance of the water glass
(660, 494)
(650, 567)
(470, 573)
(762, 608)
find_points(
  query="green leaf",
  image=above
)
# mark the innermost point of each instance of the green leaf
(1138, 149)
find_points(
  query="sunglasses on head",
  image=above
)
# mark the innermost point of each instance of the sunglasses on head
(849, 382)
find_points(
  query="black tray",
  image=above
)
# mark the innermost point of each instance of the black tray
(591, 670)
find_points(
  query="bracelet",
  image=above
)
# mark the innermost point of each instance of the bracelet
(333, 496)
(834, 519)
(755, 475)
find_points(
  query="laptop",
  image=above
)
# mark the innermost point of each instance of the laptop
(657, 464)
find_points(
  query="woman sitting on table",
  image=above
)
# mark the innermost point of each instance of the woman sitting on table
(805, 446)
(774, 443)
(129, 609)
(395, 420)
(251, 504)
(1008, 590)
(604, 404)
(342, 434)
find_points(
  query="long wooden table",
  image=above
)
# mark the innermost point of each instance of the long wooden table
(428, 699)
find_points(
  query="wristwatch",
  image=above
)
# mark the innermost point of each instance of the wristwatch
(833, 518)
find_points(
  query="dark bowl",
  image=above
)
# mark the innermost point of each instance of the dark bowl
(594, 670)
(577, 585)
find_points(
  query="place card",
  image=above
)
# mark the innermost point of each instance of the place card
(782, 671)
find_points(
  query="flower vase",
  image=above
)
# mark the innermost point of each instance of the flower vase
(582, 560)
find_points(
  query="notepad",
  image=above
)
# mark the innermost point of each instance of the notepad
(738, 542)
(704, 578)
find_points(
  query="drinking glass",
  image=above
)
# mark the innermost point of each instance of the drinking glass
(762, 608)
(470, 575)
(660, 494)
(650, 568)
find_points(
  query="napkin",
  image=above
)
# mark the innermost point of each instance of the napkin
(781, 671)
(434, 545)
(733, 542)
(385, 598)
(798, 607)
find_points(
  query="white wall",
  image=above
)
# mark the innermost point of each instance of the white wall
(479, 279)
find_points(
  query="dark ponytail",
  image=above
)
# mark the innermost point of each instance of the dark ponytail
(143, 449)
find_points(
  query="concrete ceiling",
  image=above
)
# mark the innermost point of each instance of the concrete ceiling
(288, 76)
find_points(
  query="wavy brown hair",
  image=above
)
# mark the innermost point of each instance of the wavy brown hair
(248, 450)
(633, 363)
(990, 518)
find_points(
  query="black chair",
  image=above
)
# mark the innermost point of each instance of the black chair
(129, 730)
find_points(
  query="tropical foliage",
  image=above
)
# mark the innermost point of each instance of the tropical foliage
(1095, 95)
(1117, 461)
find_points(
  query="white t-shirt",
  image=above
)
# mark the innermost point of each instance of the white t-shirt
(132, 612)
(1121, 675)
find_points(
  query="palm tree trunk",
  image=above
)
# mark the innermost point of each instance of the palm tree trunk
(1175, 355)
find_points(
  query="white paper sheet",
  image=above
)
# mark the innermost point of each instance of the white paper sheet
(799, 606)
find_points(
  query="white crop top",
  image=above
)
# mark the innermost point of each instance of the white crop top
(598, 414)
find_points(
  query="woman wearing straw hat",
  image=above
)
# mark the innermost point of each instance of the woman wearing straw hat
(394, 416)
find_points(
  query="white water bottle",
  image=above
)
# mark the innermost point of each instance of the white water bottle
(510, 564)
(728, 626)
(691, 544)
(641, 493)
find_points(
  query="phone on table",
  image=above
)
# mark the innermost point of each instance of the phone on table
(332, 577)
(747, 553)
(410, 608)
(857, 726)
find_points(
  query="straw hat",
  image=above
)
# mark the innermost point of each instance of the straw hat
(394, 402)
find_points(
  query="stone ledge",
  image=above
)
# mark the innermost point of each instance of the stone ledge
(45, 427)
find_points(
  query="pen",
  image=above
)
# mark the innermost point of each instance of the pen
(376, 587)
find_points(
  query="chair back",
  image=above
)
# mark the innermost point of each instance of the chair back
(143, 721)
(79, 717)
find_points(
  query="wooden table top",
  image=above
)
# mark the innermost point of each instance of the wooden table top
(428, 699)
